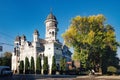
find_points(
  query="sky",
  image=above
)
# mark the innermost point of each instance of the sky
(18, 17)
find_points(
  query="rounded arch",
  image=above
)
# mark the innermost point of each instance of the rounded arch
(53, 33)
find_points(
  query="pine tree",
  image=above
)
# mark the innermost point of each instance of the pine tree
(54, 67)
(21, 69)
(26, 65)
(38, 65)
(32, 66)
(45, 65)
(62, 65)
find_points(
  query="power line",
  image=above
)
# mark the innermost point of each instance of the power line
(6, 44)
(9, 36)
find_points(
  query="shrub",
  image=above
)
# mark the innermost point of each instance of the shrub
(45, 65)
(54, 67)
(32, 66)
(111, 70)
(21, 68)
(38, 65)
(26, 65)
(62, 65)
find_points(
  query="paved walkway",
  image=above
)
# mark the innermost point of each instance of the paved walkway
(109, 77)
(58, 77)
(99, 77)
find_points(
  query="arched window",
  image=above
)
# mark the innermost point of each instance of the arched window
(52, 33)
(49, 32)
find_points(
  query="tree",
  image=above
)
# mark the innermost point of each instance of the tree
(45, 65)
(32, 66)
(6, 60)
(8, 54)
(21, 68)
(26, 65)
(38, 65)
(0, 61)
(91, 40)
(111, 70)
(54, 67)
(62, 65)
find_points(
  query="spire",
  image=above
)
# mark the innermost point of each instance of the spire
(51, 16)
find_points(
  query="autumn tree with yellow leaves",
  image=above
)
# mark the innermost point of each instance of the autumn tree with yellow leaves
(93, 41)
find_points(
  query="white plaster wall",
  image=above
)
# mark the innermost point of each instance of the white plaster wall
(28, 52)
(14, 62)
(49, 52)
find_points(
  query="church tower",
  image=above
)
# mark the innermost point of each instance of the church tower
(51, 28)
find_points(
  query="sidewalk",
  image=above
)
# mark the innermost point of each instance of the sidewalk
(108, 77)
(100, 77)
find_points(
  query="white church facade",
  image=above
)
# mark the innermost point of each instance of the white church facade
(50, 46)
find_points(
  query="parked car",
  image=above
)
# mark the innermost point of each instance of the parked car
(5, 70)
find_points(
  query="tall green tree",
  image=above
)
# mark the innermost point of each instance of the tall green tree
(90, 39)
(32, 65)
(27, 65)
(38, 65)
(62, 65)
(45, 65)
(54, 67)
(21, 68)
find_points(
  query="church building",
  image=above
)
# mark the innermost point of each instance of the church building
(50, 46)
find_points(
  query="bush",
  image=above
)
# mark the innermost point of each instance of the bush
(111, 70)
(54, 67)
(45, 65)
(32, 66)
(38, 65)
(21, 68)
(62, 65)
(26, 65)
(71, 72)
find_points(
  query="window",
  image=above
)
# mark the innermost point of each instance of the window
(52, 33)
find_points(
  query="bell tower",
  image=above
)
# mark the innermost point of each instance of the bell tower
(51, 28)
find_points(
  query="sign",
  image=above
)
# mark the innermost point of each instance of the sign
(1, 48)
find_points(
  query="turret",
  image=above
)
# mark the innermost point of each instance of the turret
(17, 44)
(36, 36)
(17, 40)
(51, 27)
(23, 39)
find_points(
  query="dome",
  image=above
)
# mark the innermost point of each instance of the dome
(51, 16)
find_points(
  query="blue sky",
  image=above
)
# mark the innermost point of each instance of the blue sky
(24, 16)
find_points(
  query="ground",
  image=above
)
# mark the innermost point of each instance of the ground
(58, 77)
